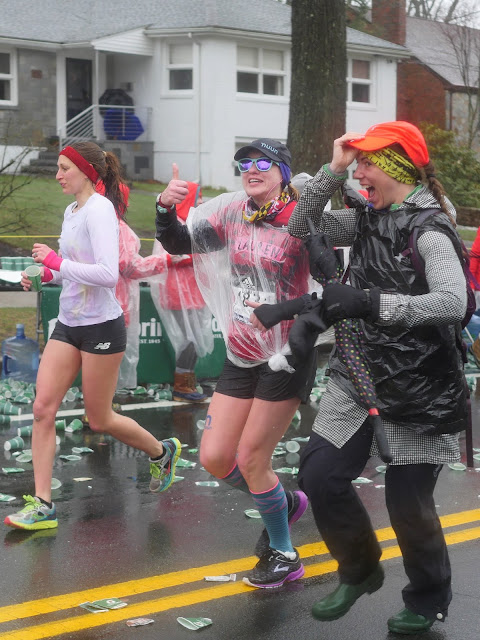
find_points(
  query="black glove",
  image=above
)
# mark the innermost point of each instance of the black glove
(351, 197)
(323, 261)
(306, 328)
(343, 301)
(271, 314)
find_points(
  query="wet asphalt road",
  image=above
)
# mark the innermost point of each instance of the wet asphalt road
(116, 539)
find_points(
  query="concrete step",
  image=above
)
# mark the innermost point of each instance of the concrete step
(42, 169)
(47, 162)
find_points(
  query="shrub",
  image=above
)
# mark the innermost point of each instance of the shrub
(456, 166)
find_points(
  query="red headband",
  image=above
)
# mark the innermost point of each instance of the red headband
(79, 161)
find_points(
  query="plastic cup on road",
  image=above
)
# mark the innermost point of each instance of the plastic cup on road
(75, 425)
(60, 424)
(70, 396)
(138, 391)
(33, 273)
(8, 409)
(194, 623)
(292, 446)
(56, 484)
(22, 399)
(292, 459)
(14, 443)
(297, 418)
(163, 394)
(25, 432)
(4, 419)
(24, 457)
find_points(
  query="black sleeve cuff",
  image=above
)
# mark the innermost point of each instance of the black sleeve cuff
(374, 297)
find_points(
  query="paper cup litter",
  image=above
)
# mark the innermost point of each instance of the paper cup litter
(14, 443)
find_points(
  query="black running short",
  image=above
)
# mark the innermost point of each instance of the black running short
(103, 338)
(263, 383)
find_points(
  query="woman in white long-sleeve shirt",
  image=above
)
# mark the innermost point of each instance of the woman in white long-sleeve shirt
(90, 332)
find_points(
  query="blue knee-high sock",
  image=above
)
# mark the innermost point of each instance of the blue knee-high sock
(236, 480)
(272, 505)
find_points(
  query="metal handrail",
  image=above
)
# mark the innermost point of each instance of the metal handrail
(107, 122)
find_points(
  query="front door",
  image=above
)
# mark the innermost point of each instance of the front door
(79, 93)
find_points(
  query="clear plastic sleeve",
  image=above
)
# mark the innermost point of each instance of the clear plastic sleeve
(236, 261)
(132, 269)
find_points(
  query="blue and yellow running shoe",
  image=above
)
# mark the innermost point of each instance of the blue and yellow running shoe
(163, 470)
(34, 516)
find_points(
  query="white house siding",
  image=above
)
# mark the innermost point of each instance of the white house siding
(228, 118)
(383, 107)
(132, 42)
(225, 118)
(175, 119)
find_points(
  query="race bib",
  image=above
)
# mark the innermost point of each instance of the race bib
(242, 312)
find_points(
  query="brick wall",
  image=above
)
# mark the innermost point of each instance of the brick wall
(34, 119)
(421, 95)
(389, 16)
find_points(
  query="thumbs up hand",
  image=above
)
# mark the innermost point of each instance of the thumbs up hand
(176, 190)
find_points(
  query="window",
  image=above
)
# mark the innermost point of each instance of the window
(7, 78)
(359, 81)
(260, 71)
(180, 67)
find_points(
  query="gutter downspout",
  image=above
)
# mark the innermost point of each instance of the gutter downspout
(198, 108)
(96, 94)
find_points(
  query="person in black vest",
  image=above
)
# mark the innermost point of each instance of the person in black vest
(410, 332)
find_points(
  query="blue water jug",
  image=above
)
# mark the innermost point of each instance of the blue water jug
(474, 325)
(20, 356)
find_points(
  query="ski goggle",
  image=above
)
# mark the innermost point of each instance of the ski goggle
(262, 164)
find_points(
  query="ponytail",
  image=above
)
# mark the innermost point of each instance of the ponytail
(432, 183)
(112, 181)
(435, 186)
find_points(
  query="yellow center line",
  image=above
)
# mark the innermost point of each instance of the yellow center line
(155, 583)
(149, 607)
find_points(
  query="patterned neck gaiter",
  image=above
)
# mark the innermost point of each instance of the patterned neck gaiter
(269, 210)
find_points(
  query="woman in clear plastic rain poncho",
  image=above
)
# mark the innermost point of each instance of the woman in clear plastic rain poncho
(179, 303)
(132, 268)
(242, 252)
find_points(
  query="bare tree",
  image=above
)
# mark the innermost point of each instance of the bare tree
(464, 43)
(318, 87)
(447, 11)
(11, 180)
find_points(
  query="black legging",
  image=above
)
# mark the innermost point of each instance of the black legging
(326, 475)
